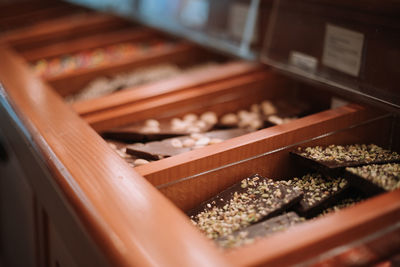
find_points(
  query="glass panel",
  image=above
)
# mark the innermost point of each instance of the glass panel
(351, 46)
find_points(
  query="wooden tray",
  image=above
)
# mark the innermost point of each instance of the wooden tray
(116, 211)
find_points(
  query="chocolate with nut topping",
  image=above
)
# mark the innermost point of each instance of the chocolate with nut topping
(251, 233)
(253, 199)
(379, 178)
(349, 155)
(331, 160)
(318, 192)
(342, 204)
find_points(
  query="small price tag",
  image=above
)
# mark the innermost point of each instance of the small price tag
(237, 21)
(195, 13)
(343, 49)
(303, 61)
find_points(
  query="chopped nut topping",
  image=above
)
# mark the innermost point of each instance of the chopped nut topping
(255, 200)
(386, 176)
(251, 233)
(316, 188)
(345, 203)
(349, 154)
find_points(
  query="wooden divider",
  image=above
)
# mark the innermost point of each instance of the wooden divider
(71, 82)
(60, 29)
(197, 78)
(99, 39)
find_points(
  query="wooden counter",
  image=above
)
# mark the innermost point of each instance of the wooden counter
(83, 205)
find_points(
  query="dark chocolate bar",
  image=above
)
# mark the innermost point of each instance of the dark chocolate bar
(318, 192)
(332, 160)
(153, 130)
(342, 204)
(375, 178)
(249, 201)
(262, 229)
(174, 146)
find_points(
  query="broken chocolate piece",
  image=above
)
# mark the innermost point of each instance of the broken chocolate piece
(375, 178)
(318, 192)
(253, 199)
(174, 146)
(262, 229)
(334, 158)
(140, 132)
(342, 204)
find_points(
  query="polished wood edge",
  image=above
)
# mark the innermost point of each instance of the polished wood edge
(88, 42)
(306, 241)
(251, 144)
(56, 27)
(131, 61)
(131, 221)
(175, 84)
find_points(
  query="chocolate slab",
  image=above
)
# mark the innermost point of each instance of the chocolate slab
(374, 179)
(249, 201)
(262, 229)
(341, 204)
(163, 149)
(319, 192)
(333, 162)
(137, 132)
(155, 150)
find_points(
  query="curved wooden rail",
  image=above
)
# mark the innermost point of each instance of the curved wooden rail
(131, 222)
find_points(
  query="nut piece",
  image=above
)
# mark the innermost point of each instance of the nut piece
(268, 108)
(229, 119)
(189, 142)
(190, 117)
(196, 136)
(255, 108)
(203, 141)
(152, 123)
(209, 117)
(140, 162)
(215, 141)
(176, 143)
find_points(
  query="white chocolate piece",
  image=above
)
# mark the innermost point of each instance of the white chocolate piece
(203, 141)
(189, 142)
(268, 108)
(190, 117)
(229, 119)
(140, 162)
(209, 117)
(176, 143)
(152, 123)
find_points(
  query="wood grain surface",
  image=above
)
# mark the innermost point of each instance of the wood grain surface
(119, 208)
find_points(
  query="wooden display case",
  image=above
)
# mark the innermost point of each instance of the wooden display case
(85, 206)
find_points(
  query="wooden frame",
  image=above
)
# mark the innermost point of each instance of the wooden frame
(120, 221)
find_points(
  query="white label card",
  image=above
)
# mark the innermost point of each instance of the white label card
(195, 13)
(343, 49)
(303, 61)
(237, 21)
